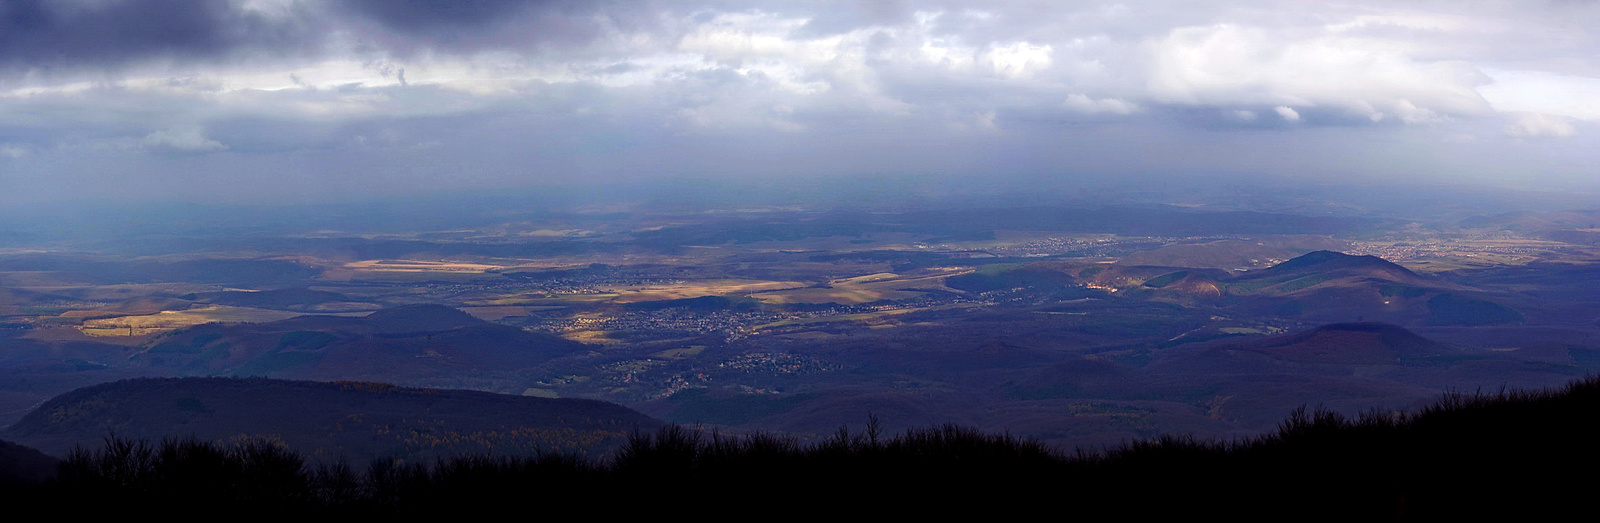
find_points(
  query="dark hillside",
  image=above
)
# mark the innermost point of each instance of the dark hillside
(1339, 344)
(1506, 456)
(358, 420)
(1326, 286)
(420, 345)
(20, 465)
(32, 371)
(1344, 366)
(1452, 309)
(1328, 265)
(418, 318)
(1349, 344)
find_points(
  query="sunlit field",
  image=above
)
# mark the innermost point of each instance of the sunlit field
(633, 294)
(167, 321)
(866, 289)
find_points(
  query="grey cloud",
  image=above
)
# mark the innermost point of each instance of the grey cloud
(843, 18)
(434, 15)
(64, 36)
(406, 27)
(51, 35)
(519, 94)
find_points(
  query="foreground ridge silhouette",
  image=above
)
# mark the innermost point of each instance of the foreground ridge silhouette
(1472, 456)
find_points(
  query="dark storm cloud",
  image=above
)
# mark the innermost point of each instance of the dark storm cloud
(408, 26)
(434, 15)
(43, 34)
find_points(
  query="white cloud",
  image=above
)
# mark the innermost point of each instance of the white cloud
(186, 140)
(1367, 77)
(1287, 113)
(13, 150)
(1539, 125)
(1410, 113)
(1411, 20)
(1541, 92)
(1084, 104)
(1020, 60)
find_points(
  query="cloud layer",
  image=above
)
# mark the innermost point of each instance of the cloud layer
(286, 98)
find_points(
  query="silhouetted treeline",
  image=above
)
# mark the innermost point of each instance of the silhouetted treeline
(1467, 457)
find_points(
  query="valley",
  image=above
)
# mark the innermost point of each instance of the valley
(1078, 330)
(353, 259)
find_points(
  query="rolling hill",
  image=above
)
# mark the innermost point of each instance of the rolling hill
(326, 420)
(1347, 344)
(421, 345)
(1319, 267)
(1328, 286)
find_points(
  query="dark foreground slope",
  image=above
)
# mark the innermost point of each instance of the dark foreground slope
(20, 465)
(355, 420)
(1523, 455)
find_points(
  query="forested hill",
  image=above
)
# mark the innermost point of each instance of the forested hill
(355, 420)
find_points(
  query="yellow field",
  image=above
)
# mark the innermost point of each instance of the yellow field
(592, 337)
(418, 266)
(338, 275)
(864, 289)
(173, 320)
(864, 316)
(840, 296)
(697, 289)
(882, 276)
(406, 270)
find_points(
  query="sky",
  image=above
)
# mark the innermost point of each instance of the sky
(262, 101)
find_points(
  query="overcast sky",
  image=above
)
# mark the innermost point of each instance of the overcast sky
(282, 100)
